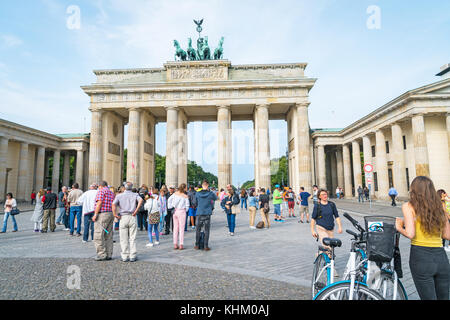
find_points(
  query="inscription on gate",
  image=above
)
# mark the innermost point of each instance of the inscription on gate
(113, 148)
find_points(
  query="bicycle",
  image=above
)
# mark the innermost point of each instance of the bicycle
(324, 270)
(364, 279)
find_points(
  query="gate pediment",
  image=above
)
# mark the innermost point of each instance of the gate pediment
(197, 71)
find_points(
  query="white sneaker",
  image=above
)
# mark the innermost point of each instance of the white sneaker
(84, 241)
(149, 245)
(66, 229)
(231, 233)
(156, 242)
(252, 227)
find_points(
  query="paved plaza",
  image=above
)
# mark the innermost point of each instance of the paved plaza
(253, 264)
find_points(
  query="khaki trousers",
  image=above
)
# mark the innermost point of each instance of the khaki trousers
(324, 233)
(127, 232)
(49, 214)
(252, 211)
(265, 218)
(103, 240)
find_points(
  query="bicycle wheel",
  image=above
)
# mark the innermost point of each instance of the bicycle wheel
(341, 291)
(387, 287)
(320, 275)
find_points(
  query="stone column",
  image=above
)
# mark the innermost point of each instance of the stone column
(55, 174)
(448, 132)
(223, 128)
(420, 146)
(66, 169)
(22, 180)
(322, 166)
(382, 170)
(339, 168)
(79, 169)
(171, 150)
(3, 162)
(347, 172)
(356, 153)
(304, 143)
(182, 147)
(399, 169)
(133, 153)
(40, 166)
(96, 148)
(333, 172)
(262, 118)
(367, 151)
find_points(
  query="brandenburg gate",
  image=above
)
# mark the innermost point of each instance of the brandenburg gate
(205, 90)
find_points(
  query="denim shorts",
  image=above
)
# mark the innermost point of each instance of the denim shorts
(277, 209)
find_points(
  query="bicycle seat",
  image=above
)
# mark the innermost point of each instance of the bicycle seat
(332, 242)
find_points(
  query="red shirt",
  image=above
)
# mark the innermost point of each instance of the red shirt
(106, 196)
(33, 195)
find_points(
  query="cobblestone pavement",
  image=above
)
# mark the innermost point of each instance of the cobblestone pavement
(283, 253)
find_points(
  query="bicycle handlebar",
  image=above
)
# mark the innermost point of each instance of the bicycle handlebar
(352, 233)
(354, 222)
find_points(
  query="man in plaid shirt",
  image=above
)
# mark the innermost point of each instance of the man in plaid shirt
(103, 222)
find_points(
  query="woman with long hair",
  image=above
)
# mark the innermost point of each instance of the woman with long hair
(162, 199)
(38, 213)
(180, 202)
(425, 222)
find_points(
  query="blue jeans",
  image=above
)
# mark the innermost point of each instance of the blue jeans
(75, 211)
(88, 224)
(277, 209)
(231, 218)
(62, 211)
(153, 228)
(5, 221)
(244, 203)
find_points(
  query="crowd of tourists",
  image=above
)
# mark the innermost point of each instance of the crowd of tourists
(426, 219)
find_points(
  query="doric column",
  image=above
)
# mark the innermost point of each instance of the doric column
(448, 132)
(398, 158)
(339, 168)
(322, 166)
(333, 172)
(66, 169)
(133, 155)
(182, 147)
(367, 152)
(22, 181)
(347, 172)
(3, 161)
(223, 145)
(79, 169)
(96, 148)
(304, 143)
(420, 146)
(356, 153)
(381, 161)
(262, 118)
(40, 166)
(55, 174)
(171, 143)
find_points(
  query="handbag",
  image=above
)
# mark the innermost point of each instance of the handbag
(14, 211)
(234, 209)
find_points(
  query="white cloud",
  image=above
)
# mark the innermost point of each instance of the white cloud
(10, 40)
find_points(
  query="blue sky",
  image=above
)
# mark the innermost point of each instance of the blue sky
(43, 63)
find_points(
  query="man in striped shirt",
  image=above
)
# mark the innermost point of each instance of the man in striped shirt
(103, 222)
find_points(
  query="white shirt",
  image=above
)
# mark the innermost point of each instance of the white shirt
(178, 202)
(87, 200)
(151, 205)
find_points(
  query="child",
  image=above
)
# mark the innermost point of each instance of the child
(152, 207)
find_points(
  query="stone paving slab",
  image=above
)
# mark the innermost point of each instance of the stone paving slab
(285, 252)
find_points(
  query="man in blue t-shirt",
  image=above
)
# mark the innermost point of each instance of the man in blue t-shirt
(304, 204)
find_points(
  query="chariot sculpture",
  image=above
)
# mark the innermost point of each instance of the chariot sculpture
(203, 51)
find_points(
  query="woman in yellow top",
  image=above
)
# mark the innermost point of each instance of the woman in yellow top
(425, 223)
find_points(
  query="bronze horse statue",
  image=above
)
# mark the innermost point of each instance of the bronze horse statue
(218, 53)
(191, 53)
(179, 52)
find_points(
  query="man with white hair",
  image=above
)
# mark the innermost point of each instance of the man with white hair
(87, 200)
(125, 208)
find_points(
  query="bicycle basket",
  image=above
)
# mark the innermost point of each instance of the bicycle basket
(380, 238)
